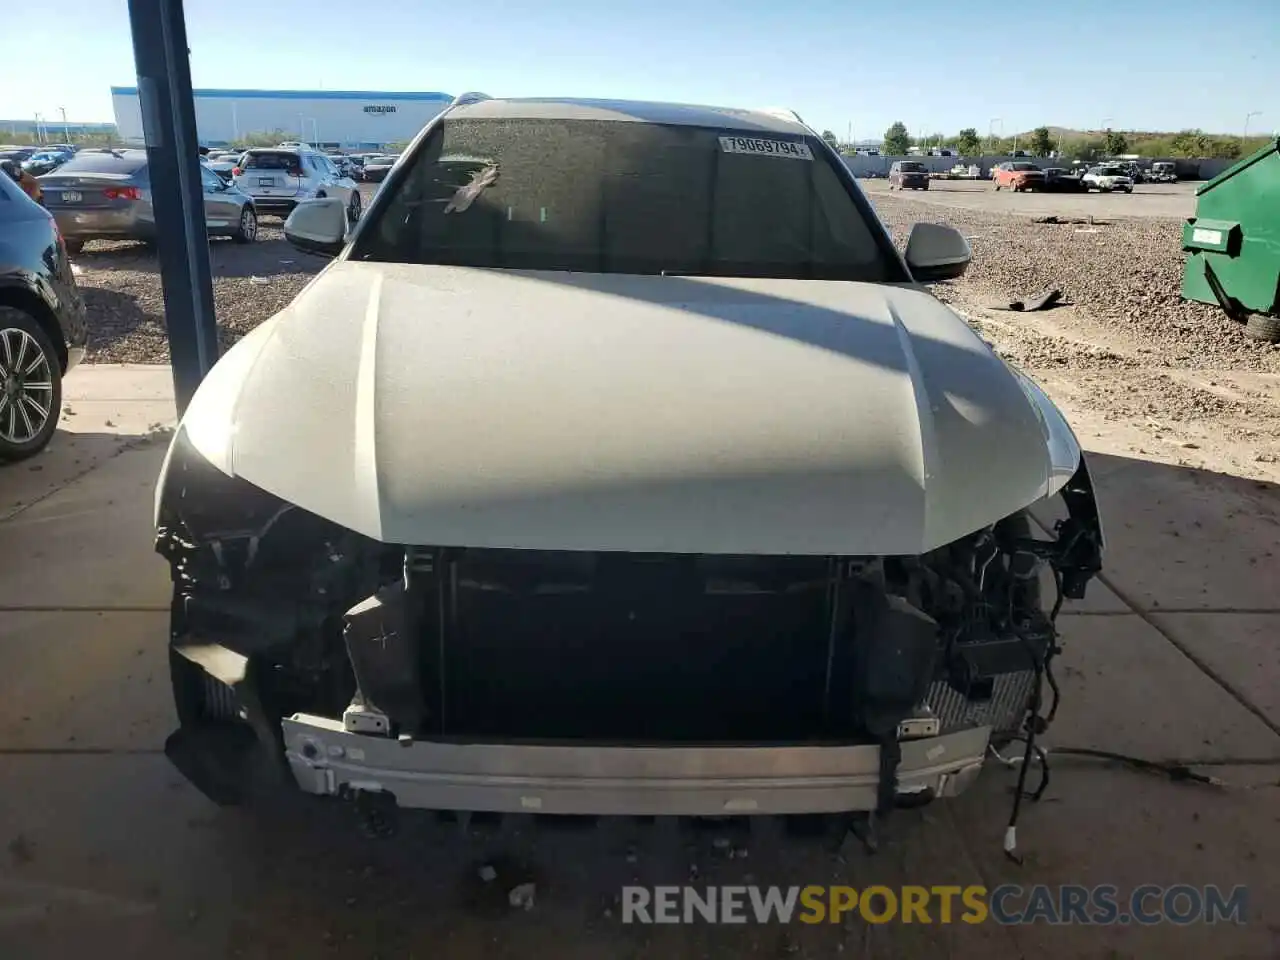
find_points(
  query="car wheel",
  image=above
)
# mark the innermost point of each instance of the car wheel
(1259, 326)
(353, 209)
(30, 385)
(248, 231)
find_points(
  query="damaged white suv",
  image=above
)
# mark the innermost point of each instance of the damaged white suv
(617, 464)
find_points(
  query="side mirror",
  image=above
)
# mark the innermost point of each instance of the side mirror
(935, 252)
(317, 226)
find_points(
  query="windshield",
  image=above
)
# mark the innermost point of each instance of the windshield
(127, 163)
(272, 160)
(911, 167)
(1025, 166)
(615, 197)
(1113, 171)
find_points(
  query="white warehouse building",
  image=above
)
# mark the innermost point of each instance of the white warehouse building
(333, 119)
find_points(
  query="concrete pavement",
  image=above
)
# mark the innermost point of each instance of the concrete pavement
(1174, 655)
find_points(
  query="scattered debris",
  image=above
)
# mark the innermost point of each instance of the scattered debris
(522, 895)
(110, 423)
(1050, 298)
(488, 874)
(259, 280)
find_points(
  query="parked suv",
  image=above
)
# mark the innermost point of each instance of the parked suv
(1018, 175)
(42, 323)
(906, 174)
(1108, 178)
(279, 178)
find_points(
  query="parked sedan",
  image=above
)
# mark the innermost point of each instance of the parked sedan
(42, 323)
(1062, 180)
(225, 164)
(46, 161)
(106, 195)
(377, 168)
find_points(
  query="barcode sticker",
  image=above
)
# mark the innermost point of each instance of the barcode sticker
(789, 149)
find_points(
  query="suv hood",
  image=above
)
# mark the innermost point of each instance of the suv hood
(541, 410)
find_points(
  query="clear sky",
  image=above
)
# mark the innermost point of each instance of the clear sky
(937, 65)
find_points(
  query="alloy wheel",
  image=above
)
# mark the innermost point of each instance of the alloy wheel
(26, 387)
(249, 224)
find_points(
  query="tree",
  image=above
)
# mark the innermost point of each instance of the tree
(1089, 148)
(830, 137)
(1041, 144)
(968, 142)
(1115, 143)
(896, 140)
(264, 138)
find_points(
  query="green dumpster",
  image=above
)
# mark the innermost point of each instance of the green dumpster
(1233, 243)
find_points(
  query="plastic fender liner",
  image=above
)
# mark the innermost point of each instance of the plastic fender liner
(1080, 538)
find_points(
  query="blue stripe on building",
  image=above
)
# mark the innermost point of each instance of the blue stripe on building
(219, 94)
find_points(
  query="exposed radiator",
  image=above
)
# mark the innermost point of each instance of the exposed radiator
(1003, 712)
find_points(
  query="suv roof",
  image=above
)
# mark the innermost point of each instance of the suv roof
(634, 111)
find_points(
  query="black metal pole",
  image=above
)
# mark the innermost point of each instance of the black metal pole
(177, 194)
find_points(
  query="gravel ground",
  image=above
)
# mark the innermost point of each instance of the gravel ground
(121, 286)
(1179, 381)
(1124, 275)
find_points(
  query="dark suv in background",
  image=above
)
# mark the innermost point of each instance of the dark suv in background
(42, 323)
(908, 174)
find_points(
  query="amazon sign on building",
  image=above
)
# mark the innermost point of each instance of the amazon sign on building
(334, 119)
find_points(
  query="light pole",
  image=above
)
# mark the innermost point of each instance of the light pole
(1249, 116)
(991, 125)
(66, 128)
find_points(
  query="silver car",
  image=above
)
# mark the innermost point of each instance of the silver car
(106, 195)
(279, 178)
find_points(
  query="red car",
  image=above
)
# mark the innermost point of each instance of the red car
(1018, 175)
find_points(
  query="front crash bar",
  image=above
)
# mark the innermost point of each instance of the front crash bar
(601, 779)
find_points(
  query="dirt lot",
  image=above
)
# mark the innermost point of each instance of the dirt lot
(1159, 200)
(121, 283)
(1133, 364)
